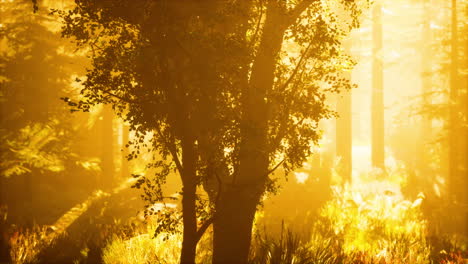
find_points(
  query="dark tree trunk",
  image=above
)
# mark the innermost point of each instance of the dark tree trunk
(189, 242)
(233, 225)
(237, 206)
(377, 105)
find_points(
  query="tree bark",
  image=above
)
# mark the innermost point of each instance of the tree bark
(107, 151)
(377, 105)
(189, 242)
(237, 206)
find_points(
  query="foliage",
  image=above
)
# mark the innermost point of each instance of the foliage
(380, 224)
(287, 249)
(35, 68)
(143, 247)
(25, 244)
(362, 226)
(166, 72)
(32, 148)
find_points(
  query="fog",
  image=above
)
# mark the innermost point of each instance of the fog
(234, 131)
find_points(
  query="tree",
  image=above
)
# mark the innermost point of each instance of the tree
(35, 130)
(426, 70)
(457, 173)
(454, 154)
(107, 148)
(377, 107)
(31, 122)
(224, 104)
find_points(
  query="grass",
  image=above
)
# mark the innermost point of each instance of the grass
(142, 247)
(382, 226)
(26, 243)
(369, 222)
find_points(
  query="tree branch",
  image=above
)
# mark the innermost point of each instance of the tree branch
(297, 11)
(257, 29)
(117, 96)
(203, 228)
(173, 151)
(296, 69)
(275, 167)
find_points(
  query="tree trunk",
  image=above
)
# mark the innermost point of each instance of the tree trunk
(189, 242)
(426, 74)
(237, 206)
(457, 180)
(344, 129)
(233, 225)
(377, 107)
(107, 151)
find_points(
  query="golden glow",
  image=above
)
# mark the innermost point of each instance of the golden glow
(54, 165)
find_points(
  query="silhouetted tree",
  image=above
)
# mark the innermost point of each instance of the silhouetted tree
(224, 104)
(377, 105)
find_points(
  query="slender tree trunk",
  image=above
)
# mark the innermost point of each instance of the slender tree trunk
(426, 74)
(377, 111)
(189, 242)
(344, 128)
(237, 206)
(419, 162)
(107, 151)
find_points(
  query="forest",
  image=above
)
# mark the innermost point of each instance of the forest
(234, 131)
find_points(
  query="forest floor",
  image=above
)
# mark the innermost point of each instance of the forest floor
(369, 222)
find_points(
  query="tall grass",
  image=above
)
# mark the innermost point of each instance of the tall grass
(143, 247)
(378, 227)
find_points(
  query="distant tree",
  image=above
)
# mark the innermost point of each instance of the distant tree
(224, 104)
(449, 65)
(426, 71)
(35, 132)
(377, 104)
(457, 123)
(32, 77)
